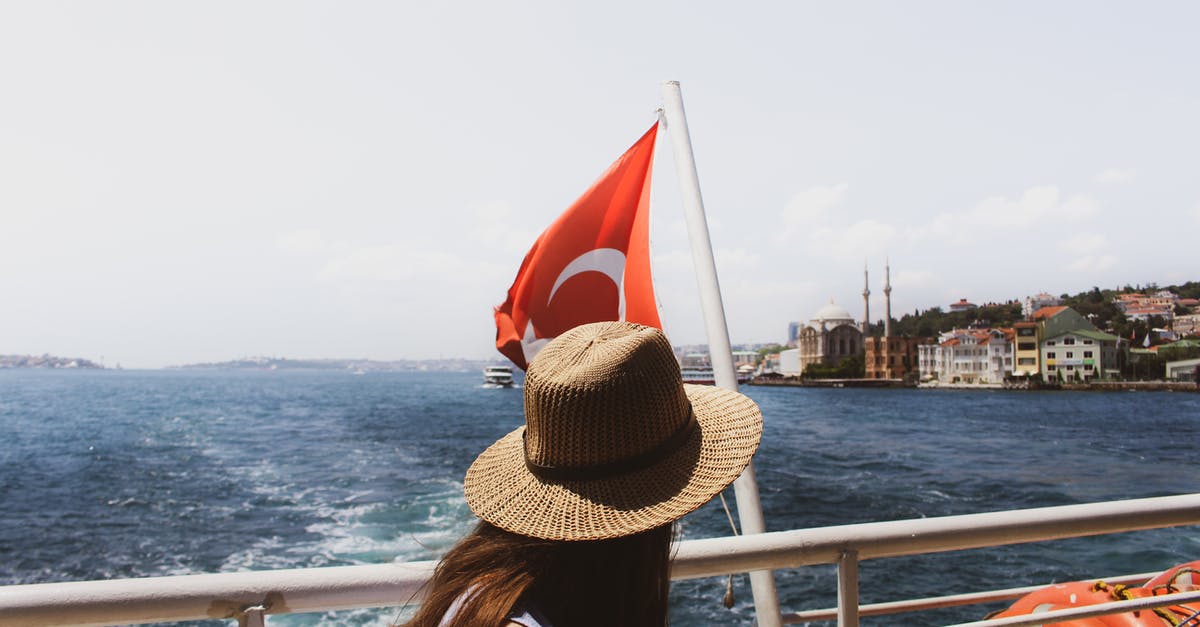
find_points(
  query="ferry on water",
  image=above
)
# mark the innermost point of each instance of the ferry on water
(498, 377)
(701, 375)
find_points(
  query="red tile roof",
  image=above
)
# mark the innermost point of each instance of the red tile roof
(1048, 312)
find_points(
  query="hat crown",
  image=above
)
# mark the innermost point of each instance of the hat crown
(600, 394)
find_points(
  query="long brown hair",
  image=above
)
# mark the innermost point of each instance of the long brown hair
(621, 581)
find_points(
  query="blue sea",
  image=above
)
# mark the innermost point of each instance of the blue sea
(130, 474)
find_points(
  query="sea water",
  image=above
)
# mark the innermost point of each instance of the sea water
(129, 474)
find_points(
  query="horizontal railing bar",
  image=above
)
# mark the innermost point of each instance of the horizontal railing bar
(805, 547)
(198, 597)
(951, 600)
(1087, 611)
(209, 596)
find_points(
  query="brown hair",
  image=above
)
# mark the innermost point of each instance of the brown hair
(619, 581)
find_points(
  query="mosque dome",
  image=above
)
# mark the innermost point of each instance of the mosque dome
(832, 313)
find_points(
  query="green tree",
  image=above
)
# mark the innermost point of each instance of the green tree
(851, 367)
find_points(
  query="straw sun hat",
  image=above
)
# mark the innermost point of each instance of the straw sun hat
(614, 442)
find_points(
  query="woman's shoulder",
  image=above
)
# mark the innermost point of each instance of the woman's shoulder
(527, 618)
(520, 617)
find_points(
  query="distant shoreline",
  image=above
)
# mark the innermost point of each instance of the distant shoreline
(46, 362)
(1096, 386)
(350, 365)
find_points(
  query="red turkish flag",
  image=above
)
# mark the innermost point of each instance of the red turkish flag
(592, 264)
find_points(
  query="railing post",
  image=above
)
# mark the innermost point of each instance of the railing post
(847, 570)
(253, 616)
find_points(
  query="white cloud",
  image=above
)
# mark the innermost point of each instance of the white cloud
(811, 224)
(811, 227)
(862, 238)
(1196, 214)
(1036, 205)
(810, 207)
(1115, 176)
(1089, 252)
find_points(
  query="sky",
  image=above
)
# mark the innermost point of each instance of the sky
(184, 182)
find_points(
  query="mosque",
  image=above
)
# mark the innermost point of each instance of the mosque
(829, 337)
(832, 335)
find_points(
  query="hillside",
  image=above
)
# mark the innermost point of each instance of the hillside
(1097, 304)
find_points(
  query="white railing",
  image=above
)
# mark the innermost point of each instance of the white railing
(248, 596)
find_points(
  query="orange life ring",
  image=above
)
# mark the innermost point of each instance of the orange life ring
(1081, 593)
(1184, 577)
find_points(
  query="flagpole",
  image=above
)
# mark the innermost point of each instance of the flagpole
(762, 582)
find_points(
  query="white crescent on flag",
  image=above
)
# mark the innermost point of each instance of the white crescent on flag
(607, 261)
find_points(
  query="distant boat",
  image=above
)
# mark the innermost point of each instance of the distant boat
(498, 377)
(703, 375)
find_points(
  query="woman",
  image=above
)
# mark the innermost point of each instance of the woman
(577, 506)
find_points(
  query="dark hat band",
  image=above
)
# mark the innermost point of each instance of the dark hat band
(614, 468)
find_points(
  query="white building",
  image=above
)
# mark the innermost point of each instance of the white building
(968, 356)
(1034, 303)
(1183, 370)
(789, 363)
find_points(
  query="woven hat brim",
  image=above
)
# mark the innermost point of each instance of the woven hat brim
(501, 490)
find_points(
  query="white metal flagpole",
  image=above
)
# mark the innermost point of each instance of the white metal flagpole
(762, 582)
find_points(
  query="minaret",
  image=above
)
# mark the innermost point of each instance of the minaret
(887, 299)
(866, 325)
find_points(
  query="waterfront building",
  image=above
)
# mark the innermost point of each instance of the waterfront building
(1183, 370)
(789, 363)
(968, 356)
(829, 337)
(1072, 347)
(1030, 338)
(892, 357)
(1082, 354)
(1027, 341)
